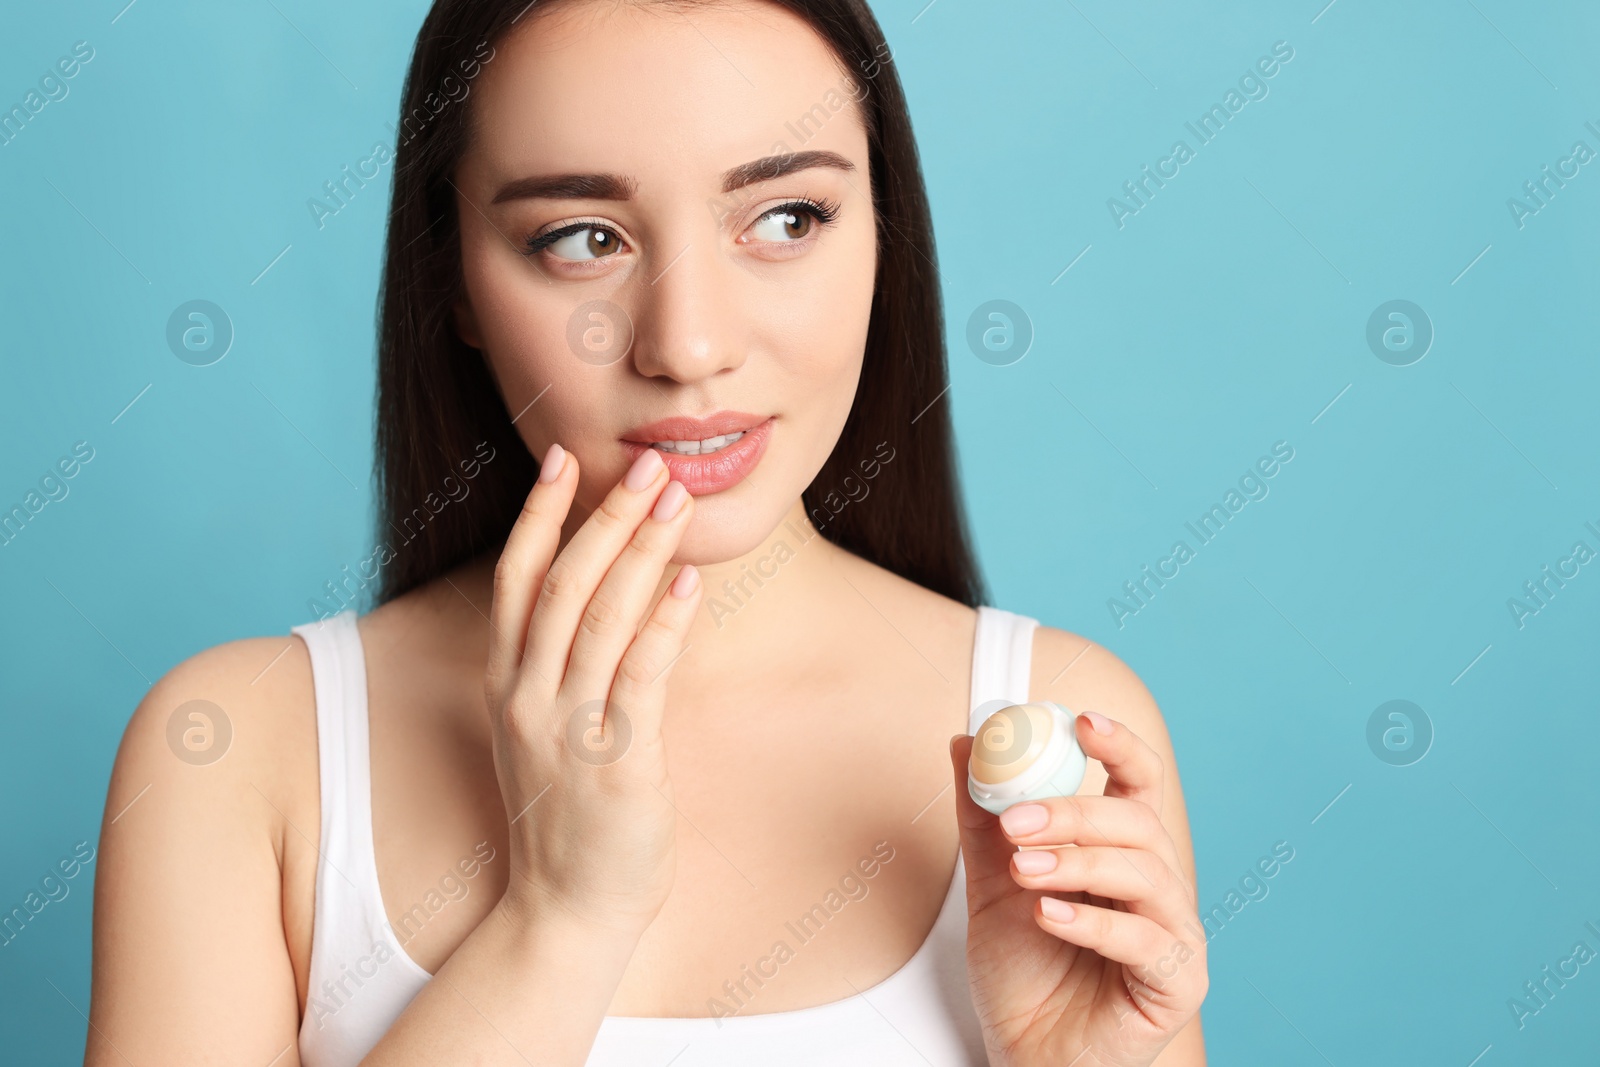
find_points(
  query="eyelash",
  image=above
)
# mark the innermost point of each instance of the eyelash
(824, 211)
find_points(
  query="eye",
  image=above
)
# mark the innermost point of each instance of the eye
(793, 221)
(577, 241)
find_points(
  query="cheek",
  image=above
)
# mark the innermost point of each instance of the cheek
(823, 333)
(524, 327)
(521, 325)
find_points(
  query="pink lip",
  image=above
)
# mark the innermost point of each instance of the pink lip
(682, 428)
(703, 475)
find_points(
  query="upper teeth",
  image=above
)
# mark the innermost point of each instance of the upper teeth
(696, 448)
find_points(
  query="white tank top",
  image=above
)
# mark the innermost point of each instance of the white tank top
(362, 979)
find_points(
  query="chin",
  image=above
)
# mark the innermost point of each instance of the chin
(725, 527)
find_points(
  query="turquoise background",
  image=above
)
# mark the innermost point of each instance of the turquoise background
(1228, 314)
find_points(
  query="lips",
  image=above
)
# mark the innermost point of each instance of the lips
(680, 428)
(712, 472)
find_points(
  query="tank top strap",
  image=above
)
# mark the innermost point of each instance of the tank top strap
(339, 680)
(1002, 656)
(361, 978)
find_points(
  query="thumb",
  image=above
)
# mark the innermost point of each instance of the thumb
(985, 849)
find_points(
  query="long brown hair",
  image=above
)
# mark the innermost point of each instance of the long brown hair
(452, 472)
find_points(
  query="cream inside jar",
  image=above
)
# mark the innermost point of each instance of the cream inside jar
(1025, 752)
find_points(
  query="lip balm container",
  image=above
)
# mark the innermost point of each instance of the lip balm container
(1025, 752)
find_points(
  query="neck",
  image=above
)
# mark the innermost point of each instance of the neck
(758, 602)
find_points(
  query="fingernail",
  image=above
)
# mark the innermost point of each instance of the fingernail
(1057, 909)
(554, 460)
(1034, 861)
(1024, 818)
(671, 502)
(643, 471)
(1101, 724)
(685, 583)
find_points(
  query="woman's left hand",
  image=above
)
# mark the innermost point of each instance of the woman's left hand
(1099, 949)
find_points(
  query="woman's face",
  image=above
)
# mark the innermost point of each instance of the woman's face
(646, 257)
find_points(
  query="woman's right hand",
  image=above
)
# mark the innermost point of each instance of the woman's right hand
(576, 682)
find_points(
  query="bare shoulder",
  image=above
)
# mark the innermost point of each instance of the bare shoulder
(242, 711)
(219, 760)
(1081, 675)
(942, 622)
(215, 774)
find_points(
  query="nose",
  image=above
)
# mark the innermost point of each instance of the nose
(689, 318)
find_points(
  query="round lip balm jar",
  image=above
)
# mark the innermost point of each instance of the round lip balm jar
(1025, 752)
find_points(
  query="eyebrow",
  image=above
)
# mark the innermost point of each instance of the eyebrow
(620, 187)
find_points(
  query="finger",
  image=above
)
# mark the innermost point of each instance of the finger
(611, 621)
(1167, 969)
(1140, 880)
(985, 850)
(1133, 769)
(1090, 820)
(526, 556)
(641, 678)
(578, 569)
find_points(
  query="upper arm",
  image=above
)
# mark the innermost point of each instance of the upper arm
(190, 958)
(1083, 676)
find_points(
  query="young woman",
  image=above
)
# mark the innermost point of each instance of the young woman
(655, 749)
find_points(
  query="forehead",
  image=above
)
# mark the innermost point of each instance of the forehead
(642, 89)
